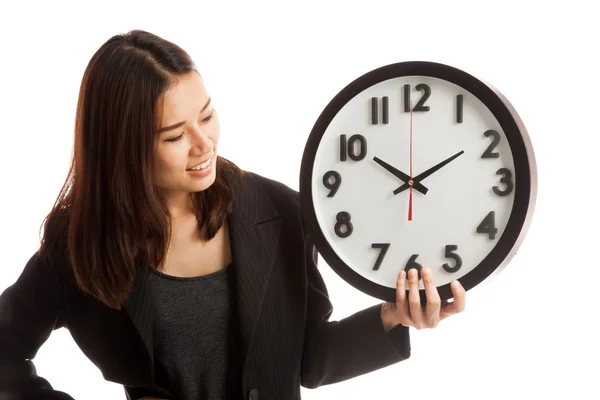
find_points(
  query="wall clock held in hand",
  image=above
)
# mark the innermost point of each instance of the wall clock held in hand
(417, 164)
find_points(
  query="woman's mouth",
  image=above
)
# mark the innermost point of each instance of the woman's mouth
(201, 166)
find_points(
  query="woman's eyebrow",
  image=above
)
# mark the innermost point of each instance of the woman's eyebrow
(177, 125)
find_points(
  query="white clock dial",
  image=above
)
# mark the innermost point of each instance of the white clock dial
(412, 165)
(460, 196)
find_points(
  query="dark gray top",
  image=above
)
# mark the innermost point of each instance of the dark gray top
(194, 335)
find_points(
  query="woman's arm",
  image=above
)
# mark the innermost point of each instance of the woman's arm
(30, 310)
(338, 350)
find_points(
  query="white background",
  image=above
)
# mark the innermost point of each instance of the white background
(271, 68)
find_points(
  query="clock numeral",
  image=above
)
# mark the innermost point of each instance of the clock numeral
(488, 225)
(343, 226)
(420, 106)
(332, 181)
(507, 180)
(459, 108)
(450, 253)
(384, 248)
(488, 153)
(412, 263)
(348, 148)
(375, 111)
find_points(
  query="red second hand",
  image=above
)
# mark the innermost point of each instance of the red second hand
(410, 198)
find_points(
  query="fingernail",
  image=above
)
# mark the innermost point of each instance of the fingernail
(402, 274)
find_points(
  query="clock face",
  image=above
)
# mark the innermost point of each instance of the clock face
(457, 216)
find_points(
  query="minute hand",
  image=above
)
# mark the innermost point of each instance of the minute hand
(399, 174)
(430, 171)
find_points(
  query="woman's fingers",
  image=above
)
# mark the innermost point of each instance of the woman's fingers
(414, 299)
(432, 310)
(459, 301)
(402, 311)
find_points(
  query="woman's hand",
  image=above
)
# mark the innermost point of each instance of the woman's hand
(410, 312)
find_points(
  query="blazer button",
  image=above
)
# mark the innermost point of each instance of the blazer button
(253, 394)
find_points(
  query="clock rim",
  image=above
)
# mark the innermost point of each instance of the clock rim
(519, 142)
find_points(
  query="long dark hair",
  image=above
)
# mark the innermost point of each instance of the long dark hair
(108, 213)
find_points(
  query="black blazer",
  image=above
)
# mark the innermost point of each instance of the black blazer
(285, 336)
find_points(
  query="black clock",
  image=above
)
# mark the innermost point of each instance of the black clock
(417, 164)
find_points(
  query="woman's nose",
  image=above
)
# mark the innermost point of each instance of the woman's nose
(202, 141)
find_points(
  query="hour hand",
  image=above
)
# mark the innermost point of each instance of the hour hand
(400, 175)
(430, 171)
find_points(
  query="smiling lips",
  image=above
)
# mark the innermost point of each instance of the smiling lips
(203, 164)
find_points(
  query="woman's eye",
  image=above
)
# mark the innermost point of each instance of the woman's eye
(174, 139)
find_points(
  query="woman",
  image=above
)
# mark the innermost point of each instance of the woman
(178, 274)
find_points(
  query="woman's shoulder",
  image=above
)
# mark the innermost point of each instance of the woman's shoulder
(280, 193)
(273, 198)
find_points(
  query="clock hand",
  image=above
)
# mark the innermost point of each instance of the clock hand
(399, 174)
(425, 174)
(411, 182)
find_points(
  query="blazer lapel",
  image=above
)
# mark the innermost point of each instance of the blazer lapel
(140, 309)
(254, 230)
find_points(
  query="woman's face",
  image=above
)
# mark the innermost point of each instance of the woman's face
(191, 140)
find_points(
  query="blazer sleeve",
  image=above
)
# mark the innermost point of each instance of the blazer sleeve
(338, 350)
(30, 310)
